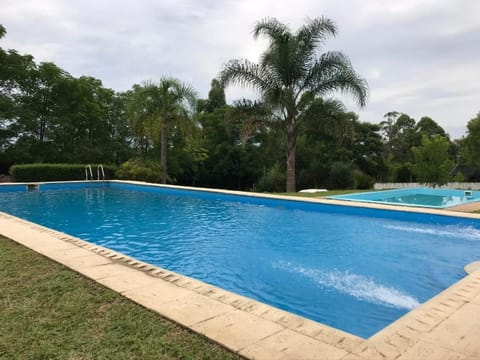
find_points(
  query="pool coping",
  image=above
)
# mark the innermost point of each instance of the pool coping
(256, 330)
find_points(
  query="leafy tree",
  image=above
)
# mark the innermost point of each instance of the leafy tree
(159, 107)
(328, 122)
(432, 162)
(341, 176)
(427, 126)
(330, 134)
(235, 146)
(400, 136)
(273, 180)
(36, 113)
(325, 137)
(470, 144)
(290, 75)
(401, 133)
(187, 154)
(387, 127)
(404, 137)
(15, 70)
(89, 118)
(216, 98)
(140, 169)
(367, 150)
(121, 135)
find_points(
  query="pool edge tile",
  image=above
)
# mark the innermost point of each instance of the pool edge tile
(235, 328)
(288, 344)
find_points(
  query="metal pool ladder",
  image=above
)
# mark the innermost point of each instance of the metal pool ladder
(88, 171)
(100, 171)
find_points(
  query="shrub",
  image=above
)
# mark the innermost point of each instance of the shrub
(55, 172)
(141, 170)
(362, 180)
(273, 180)
(404, 173)
(341, 176)
(459, 177)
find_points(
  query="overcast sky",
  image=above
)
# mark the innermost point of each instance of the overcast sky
(419, 57)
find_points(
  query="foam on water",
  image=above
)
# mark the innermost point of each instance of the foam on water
(468, 233)
(355, 285)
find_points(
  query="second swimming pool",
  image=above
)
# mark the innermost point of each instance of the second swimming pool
(421, 197)
(351, 268)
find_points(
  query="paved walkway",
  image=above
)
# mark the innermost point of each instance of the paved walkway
(471, 207)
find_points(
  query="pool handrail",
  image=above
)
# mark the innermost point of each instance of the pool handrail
(101, 171)
(88, 169)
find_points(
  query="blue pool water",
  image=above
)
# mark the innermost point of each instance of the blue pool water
(351, 268)
(422, 197)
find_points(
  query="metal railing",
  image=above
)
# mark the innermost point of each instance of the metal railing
(100, 171)
(88, 171)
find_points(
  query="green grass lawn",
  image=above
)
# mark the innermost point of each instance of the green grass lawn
(50, 312)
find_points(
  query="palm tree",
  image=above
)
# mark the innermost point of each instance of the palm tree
(291, 75)
(157, 107)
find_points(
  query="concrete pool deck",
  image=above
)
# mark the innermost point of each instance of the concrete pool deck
(445, 327)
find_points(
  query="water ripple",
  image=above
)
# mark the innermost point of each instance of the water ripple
(451, 231)
(355, 285)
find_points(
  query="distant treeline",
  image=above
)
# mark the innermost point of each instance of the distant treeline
(50, 116)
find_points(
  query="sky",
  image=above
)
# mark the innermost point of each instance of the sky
(419, 57)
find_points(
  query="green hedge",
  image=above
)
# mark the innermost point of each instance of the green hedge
(56, 172)
(141, 170)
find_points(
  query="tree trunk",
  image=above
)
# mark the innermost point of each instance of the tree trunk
(163, 151)
(291, 147)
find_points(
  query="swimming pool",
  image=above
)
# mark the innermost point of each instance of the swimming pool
(352, 268)
(422, 197)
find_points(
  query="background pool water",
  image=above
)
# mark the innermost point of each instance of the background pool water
(351, 268)
(424, 197)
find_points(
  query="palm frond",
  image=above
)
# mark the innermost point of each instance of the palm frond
(316, 31)
(247, 74)
(271, 28)
(334, 106)
(308, 38)
(177, 92)
(333, 71)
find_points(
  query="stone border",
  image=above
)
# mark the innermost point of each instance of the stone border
(253, 329)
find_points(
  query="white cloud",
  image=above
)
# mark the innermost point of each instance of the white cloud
(419, 56)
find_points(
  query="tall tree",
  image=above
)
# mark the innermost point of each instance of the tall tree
(161, 106)
(47, 115)
(216, 98)
(368, 150)
(427, 126)
(470, 145)
(387, 128)
(291, 74)
(324, 138)
(15, 76)
(232, 138)
(432, 162)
